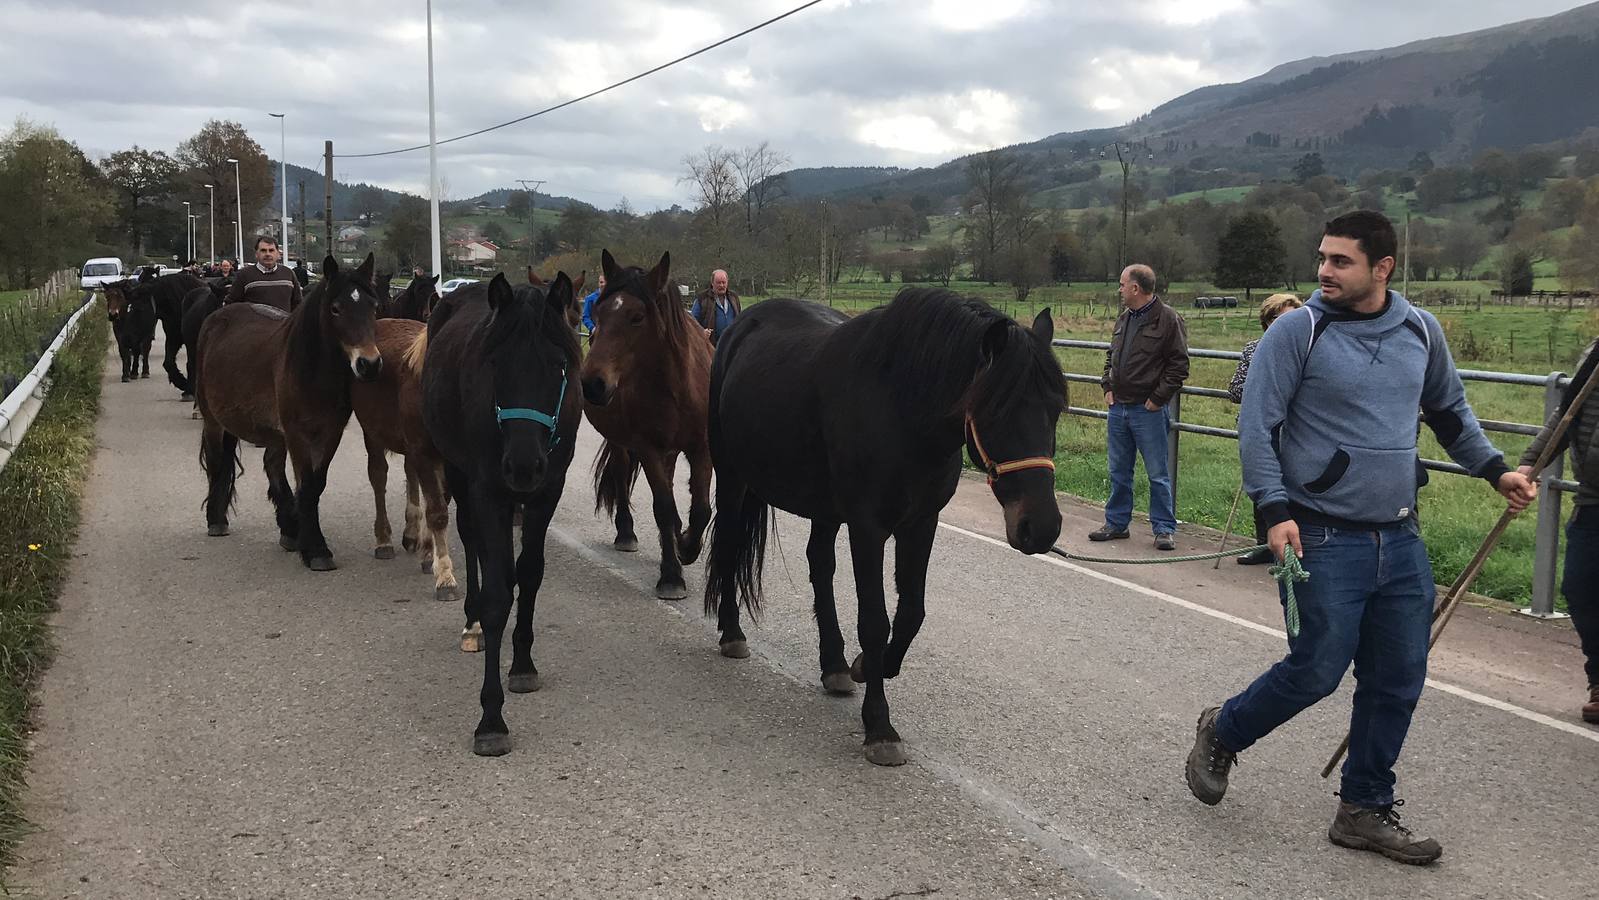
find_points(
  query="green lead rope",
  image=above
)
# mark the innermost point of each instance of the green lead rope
(1287, 572)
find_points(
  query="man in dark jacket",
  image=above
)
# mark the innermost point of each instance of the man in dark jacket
(266, 282)
(716, 307)
(1145, 367)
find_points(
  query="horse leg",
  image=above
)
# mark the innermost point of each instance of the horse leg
(438, 521)
(823, 560)
(658, 469)
(377, 472)
(491, 521)
(125, 351)
(217, 450)
(144, 353)
(691, 541)
(274, 461)
(728, 540)
(524, 676)
(913, 548)
(883, 744)
(413, 508)
(311, 477)
(472, 633)
(172, 328)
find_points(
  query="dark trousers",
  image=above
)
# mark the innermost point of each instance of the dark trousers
(1580, 583)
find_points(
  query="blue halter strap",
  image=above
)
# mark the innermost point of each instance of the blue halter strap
(532, 415)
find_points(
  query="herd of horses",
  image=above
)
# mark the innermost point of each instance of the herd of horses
(856, 422)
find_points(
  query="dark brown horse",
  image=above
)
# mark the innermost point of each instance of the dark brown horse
(133, 318)
(860, 422)
(166, 293)
(389, 409)
(574, 313)
(415, 302)
(282, 381)
(645, 383)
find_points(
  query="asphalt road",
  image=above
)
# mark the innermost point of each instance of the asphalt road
(221, 722)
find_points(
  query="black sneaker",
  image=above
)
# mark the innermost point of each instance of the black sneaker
(1377, 828)
(1108, 533)
(1256, 558)
(1209, 762)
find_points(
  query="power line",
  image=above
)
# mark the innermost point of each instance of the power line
(533, 115)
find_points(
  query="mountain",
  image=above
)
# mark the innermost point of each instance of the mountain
(347, 197)
(1528, 82)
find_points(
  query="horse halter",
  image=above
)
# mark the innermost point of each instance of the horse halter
(995, 469)
(548, 420)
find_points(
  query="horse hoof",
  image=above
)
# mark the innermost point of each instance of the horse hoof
(195, 414)
(289, 543)
(491, 744)
(736, 649)
(857, 669)
(671, 590)
(385, 551)
(187, 397)
(523, 683)
(409, 543)
(216, 530)
(125, 379)
(427, 565)
(145, 375)
(471, 642)
(626, 545)
(886, 753)
(320, 564)
(838, 683)
(444, 594)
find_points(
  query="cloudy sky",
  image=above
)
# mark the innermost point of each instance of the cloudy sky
(847, 82)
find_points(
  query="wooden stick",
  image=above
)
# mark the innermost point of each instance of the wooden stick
(1229, 529)
(1457, 591)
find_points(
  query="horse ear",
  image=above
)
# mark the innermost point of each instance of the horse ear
(533, 278)
(146, 274)
(994, 339)
(364, 273)
(559, 296)
(577, 283)
(608, 265)
(658, 276)
(1044, 326)
(499, 291)
(330, 268)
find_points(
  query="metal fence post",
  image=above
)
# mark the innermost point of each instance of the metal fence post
(1174, 416)
(1546, 546)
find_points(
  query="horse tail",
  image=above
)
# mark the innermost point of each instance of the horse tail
(221, 462)
(739, 528)
(615, 473)
(415, 354)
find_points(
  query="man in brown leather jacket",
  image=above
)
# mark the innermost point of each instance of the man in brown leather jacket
(716, 307)
(1144, 369)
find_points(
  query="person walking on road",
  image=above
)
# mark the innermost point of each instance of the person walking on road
(266, 282)
(1145, 367)
(1327, 436)
(1274, 306)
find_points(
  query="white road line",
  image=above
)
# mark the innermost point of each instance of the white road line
(1491, 702)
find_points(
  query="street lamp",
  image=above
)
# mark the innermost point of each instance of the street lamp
(433, 157)
(283, 179)
(192, 219)
(188, 233)
(211, 212)
(238, 210)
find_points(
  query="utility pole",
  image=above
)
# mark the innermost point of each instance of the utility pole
(532, 196)
(826, 272)
(327, 197)
(1407, 254)
(305, 246)
(1127, 165)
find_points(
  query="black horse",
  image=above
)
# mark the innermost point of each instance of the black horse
(414, 302)
(132, 315)
(860, 422)
(166, 292)
(197, 305)
(501, 402)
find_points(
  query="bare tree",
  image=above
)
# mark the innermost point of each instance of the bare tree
(996, 181)
(715, 180)
(759, 181)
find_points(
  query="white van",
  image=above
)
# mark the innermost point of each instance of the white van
(100, 271)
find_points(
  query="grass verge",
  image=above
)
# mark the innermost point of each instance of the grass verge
(40, 491)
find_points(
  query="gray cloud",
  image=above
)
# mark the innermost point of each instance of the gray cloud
(850, 82)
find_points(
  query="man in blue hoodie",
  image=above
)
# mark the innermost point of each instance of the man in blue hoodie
(588, 305)
(1327, 436)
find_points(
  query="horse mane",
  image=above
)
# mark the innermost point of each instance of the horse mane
(536, 316)
(928, 343)
(411, 360)
(675, 321)
(305, 344)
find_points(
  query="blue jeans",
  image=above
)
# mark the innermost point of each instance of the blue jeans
(1136, 430)
(1580, 583)
(1369, 601)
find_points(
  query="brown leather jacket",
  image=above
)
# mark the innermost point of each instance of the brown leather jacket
(1153, 363)
(704, 310)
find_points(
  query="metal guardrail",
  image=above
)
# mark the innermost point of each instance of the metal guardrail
(22, 405)
(1546, 549)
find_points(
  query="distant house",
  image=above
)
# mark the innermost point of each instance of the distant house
(349, 239)
(474, 252)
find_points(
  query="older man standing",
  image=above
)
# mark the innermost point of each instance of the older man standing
(716, 307)
(1145, 367)
(266, 282)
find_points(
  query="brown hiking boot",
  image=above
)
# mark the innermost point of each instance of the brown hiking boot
(1590, 710)
(1208, 762)
(1377, 828)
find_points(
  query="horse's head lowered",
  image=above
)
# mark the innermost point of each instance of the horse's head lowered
(346, 312)
(636, 319)
(117, 298)
(1011, 412)
(530, 351)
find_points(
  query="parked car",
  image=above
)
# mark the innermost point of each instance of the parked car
(1215, 302)
(454, 283)
(100, 271)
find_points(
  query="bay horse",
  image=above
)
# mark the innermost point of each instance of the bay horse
(166, 293)
(282, 381)
(646, 379)
(132, 315)
(500, 400)
(389, 409)
(860, 422)
(415, 302)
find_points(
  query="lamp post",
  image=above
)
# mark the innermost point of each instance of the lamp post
(433, 156)
(192, 219)
(238, 212)
(211, 213)
(188, 232)
(283, 179)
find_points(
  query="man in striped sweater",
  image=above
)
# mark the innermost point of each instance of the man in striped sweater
(266, 282)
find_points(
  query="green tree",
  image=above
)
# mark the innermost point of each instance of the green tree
(1250, 254)
(204, 157)
(580, 226)
(144, 179)
(1563, 201)
(994, 182)
(1309, 166)
(407, 237)
(1463, 245)
(516, 205)
(1421, 163)
(52, 201)
(1516, 275)
(942, 259)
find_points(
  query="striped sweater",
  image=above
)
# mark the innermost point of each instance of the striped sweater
(277, 288)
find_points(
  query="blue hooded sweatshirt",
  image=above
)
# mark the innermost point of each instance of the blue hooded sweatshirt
(1327, 432)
